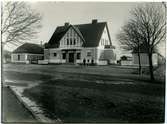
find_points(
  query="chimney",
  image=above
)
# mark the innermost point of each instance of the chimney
(94, 21)
(66, 24)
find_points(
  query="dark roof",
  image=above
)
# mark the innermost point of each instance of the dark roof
(29, 48)
(89, 33)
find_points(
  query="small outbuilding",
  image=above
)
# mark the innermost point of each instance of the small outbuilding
(27, 53)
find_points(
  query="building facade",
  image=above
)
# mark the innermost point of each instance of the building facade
(78, 43)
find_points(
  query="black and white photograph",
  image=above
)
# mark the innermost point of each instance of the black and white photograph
(83, 62)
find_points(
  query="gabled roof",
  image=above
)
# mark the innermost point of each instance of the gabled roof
(89, 33)
(29, 48)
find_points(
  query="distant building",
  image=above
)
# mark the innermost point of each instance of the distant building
(143, 57)
(27, 53)
(77, 43)
(126, 60)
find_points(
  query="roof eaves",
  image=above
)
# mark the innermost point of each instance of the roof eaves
(64, 34)
(102, 31)
(108, 33)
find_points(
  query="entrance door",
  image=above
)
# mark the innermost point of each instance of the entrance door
(71, 57)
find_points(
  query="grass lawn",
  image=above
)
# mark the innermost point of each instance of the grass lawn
(79, 101)
(91, 94)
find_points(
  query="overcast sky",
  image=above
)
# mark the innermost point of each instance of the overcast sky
(57, 13)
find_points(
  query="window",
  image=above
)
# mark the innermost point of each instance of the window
(67, 41)
(88, 53)
(18, 57)
(78, 55)
(78, 39)
(64, 41)
(64, 55)
(74, 41)
(70, 41)
(55, 54)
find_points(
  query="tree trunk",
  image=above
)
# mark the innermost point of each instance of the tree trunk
(139, 63)
(139, 59)
(151, 67)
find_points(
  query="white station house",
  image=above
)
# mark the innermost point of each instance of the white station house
(75, 43)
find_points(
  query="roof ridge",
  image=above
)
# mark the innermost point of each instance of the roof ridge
(91, 23)
(81, 24)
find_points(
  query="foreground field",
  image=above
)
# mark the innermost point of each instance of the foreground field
(91, 94)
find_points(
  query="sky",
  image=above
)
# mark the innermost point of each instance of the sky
(57, 13)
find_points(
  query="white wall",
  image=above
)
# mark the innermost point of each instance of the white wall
(24, 57)
(93, 56)
(126, 62)
(104, 39)
(51, 57)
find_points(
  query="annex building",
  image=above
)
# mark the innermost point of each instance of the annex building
(27, 53)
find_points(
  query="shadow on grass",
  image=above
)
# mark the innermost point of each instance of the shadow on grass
(81, 104)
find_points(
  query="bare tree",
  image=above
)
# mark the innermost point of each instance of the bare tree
(150, 20)
(130, 39)
(19, 23)
(151, 28)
